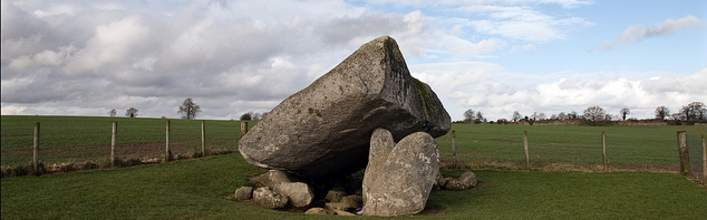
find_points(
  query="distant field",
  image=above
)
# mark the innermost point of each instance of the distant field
(81, 138)
(88, 138)
(202, 189)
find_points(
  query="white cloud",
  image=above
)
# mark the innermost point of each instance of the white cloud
(637, 33)
(111, 43)
(487, 87)
(235, 57)
(12, 110)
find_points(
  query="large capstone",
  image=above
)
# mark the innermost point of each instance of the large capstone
(399, 177)
(323, 130)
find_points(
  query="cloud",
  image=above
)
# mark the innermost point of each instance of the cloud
(86, 58)
(637, 33)
(89, 57)
(519, 20)
(487, 87)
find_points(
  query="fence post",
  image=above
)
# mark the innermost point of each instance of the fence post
(168, 152)
(704, 160)
(454, 145)
(244, 128)
(203, 138)
(683, 153)
(35, 150)
(113, 133)
(603, 153)
(525, 149)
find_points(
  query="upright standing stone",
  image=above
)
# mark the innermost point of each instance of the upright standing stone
(324, 129)
(399, 177)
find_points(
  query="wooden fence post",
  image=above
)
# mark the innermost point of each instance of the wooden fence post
(683, 153)
(203, 138)
(603, 153)
(35, 150)
(704, 160)
(168, 152)
(525, 149)
(113, 133)
(454, 145)
(244, 128)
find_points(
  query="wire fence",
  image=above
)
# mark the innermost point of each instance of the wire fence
(65, 140)
(563, 147)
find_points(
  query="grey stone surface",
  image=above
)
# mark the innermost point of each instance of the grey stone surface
(399, 177)
(342, 212)
(318, 211)
(347, 203)
(298, 193)
(271, 178)
(323, 130)
(334, 195)
(244, 193)
(465, 181)
(267, 198)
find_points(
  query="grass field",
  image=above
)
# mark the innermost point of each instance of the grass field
(88, 138)
(200, 189)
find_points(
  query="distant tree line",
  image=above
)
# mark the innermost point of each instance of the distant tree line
(692, 112)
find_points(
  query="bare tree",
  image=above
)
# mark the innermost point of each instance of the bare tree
(516, 116)
(247, 116)
(624, 112)
(131, 112)
(189, 109)
(469, 115)
(572, 115)
(594, 113)
(661, 112)
(480, 117)
(562, 116)
(112, 113)
(694, 111)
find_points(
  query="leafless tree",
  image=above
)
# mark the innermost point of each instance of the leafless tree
(661, 112)
(594, 113)
(469, 115)
(480, 117)
(624, 112)
(517, 116)
(112, 113)
(694, 111)
(572, 115)
(189, 109)
(131, 112)
(247, 116)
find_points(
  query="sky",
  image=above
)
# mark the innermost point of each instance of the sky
(497, 57)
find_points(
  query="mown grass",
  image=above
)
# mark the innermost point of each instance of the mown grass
(200, 189)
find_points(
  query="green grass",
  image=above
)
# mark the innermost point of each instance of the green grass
(630, 145)
(199, 189)
(65, 138)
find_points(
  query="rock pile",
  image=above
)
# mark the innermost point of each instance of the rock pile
(347, 120)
